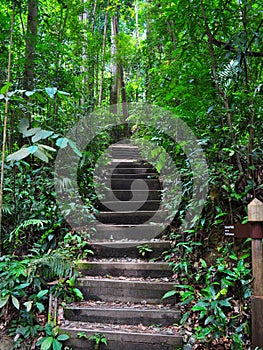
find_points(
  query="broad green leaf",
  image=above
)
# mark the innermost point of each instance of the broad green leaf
(15, 302)
(169, 294)
(51, 91)
(40, 341)
(56, 345)
(41, 155)
(49, 329)
(23, 125)
(3, 301)
(18, 155)
(47, 147)
(75, 148)
(62, 142)
(63, 337)
(33, 149)
(78, 293)
(40, 306)
(28, 305)
(30, 132)
(42, 293)
(41, 135)
(29, 93)
(199, 308)
(63, 93)
(5, 88)
(203, 263)
(22, 285)
(47, 343)
(209, 319)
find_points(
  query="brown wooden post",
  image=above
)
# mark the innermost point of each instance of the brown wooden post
(255, 217)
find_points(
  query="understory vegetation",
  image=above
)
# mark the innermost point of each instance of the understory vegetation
(62, 60)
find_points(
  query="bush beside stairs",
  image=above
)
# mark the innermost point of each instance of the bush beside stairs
(123, 292)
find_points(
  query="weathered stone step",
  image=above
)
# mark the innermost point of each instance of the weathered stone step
(129, 205)
(128, 338)
(126, 184)
(132, 177)
(132, 217)
(119, 249)
(122, 314)
(121, 169)
(119, 154)
(127, 195)
(134, 291)
(128, 269)
(128, 163)
(126, 232)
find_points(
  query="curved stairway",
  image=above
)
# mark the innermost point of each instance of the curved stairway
(122, 292)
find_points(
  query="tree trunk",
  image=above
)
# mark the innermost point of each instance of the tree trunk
(115, 84)
(31, 41)
(103, 58)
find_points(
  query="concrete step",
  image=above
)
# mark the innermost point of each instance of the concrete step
(122, 169)
(122, 153)
(125, 268)
(124, 338)
(117, 233)
(128, 195)
(126, 184)
(128, 163)
(132, 177)
(126, 290)
(129, 205)
(131, 218)
(122, 314)
(119, 249)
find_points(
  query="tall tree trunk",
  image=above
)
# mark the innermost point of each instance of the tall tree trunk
(5, 126)
(137, 48)
(31, 41)
(115, 84)
(103, 57)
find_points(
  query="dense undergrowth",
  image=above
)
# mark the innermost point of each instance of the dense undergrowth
(213, 290)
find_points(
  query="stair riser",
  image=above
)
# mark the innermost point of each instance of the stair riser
(128, 195)
(131, 218)
(132, 164)
(133, 177)
(128, 206)
(126, 184)
(120, 316)
(153, 270)
(121, 250)
(123, 341)
(133, 171)
(124, 291)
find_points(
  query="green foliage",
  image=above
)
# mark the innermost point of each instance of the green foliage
(218, 294)
(97, 338)
(25, 293)
(144, 250)
(53, 339)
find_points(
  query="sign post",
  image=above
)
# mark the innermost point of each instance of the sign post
(255, 217)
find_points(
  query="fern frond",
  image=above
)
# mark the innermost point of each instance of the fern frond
(8, 208)
(229, 74)
(50, 266)
(25, 224)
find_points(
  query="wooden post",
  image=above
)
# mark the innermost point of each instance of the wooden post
(255, 217)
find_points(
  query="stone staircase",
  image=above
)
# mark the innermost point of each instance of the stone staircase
(123, 292)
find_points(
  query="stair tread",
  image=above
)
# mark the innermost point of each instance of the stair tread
(127, 280)
(90, 304)
(107, 328)
(135, 264)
